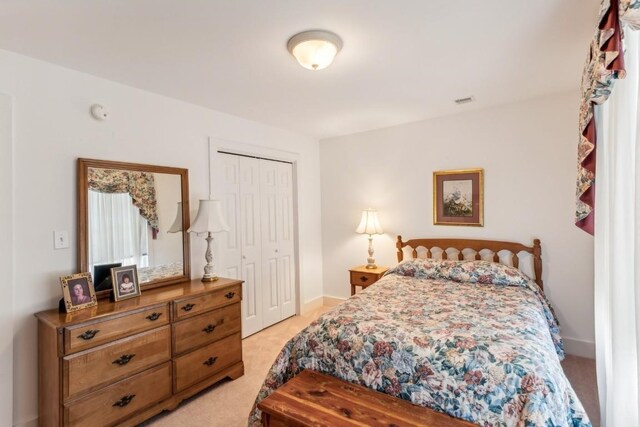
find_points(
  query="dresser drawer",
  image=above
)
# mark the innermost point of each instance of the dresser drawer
(90, 369)
(188, 307)
(114, 403)
(200, 364)
(88, 335)
(363, 279)
(205, 328)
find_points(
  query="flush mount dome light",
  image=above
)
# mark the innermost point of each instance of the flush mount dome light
(315, 49)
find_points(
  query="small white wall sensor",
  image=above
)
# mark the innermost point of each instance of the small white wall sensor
(99, 112)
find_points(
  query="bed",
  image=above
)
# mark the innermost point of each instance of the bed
(159, 272)
(458, 326)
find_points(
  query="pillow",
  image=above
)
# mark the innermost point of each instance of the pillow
(419, 267)
(484, 272)
(462, 271)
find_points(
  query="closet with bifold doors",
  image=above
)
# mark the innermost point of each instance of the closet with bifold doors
(257, 198)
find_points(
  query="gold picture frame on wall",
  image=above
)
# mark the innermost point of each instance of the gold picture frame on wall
(458, 197)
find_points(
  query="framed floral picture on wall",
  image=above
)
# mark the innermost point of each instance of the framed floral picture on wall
(458, 197)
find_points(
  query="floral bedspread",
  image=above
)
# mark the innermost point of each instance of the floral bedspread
(473, 339)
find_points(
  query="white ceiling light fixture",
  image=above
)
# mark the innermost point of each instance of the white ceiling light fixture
(315, 49)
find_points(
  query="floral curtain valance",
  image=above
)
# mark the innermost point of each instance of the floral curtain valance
(139, 185)
(604, 65)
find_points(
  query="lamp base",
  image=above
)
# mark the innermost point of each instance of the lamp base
(371, 261)
(209, 275)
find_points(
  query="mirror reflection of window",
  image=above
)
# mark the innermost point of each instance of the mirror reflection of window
(117, 230)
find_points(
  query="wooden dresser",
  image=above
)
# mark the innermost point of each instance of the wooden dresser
(121, 363)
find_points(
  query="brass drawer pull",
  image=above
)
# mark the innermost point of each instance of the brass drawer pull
(123, 360)
(364, 279)
(124, 401)
(87, 335)
(229, 295)
(154, 316)
(188, 307)
(209, 328)
(210, 361)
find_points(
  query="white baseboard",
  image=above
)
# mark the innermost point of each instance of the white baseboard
(311, 305)
(580, 348)
(333, 301)
(30, 423)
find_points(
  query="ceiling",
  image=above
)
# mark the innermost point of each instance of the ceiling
(402, 60)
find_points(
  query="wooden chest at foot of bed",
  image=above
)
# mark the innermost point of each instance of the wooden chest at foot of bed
(315, 399)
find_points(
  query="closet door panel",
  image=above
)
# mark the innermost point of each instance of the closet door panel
(227, 245)
(272, 312)
(286, 285)
(251, 304)
(286, 262)
(251, 245)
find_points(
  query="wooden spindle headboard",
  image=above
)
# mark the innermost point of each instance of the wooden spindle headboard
(477, 246)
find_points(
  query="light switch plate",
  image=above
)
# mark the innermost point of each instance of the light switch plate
(60, 239)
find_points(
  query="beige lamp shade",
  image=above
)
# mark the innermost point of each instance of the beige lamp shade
(209, 218)
(176, 227)
(369, 223)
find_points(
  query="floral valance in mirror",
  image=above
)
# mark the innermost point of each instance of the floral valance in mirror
(139, 185)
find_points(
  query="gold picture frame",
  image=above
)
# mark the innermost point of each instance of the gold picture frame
(458, 197)
(78, 292)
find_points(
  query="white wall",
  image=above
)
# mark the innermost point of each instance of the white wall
(52, 128)
(6, 261)
(528, 152)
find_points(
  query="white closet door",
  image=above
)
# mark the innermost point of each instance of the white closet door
(228, 246)
(251, 244)
(257, 199)
(271, 299)
(286, 254)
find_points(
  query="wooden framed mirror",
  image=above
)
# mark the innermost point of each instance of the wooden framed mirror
(133, 214)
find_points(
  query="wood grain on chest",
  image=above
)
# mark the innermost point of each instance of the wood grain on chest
(315, 399)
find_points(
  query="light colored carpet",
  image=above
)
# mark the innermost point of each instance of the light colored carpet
(228, 403)
(582, 375)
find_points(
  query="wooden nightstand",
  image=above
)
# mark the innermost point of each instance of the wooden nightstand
(363, 276)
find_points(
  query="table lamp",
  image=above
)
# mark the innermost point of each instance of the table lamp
(209, 220)
(369, 224)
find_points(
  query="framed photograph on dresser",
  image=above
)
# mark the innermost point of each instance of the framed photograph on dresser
(458, 197)
(125, 282)
(78, 292)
